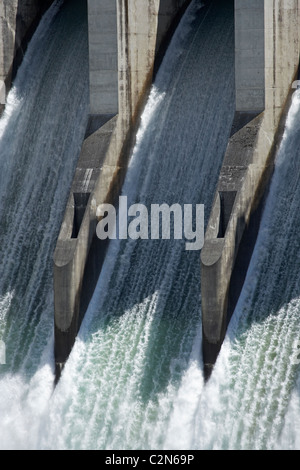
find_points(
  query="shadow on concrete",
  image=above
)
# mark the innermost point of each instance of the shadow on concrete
(27, 19)
(24, 31)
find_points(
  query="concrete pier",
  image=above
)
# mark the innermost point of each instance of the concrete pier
(125, 37)
(264, 76)
(250, 55)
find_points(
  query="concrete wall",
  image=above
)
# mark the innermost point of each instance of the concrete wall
(108, 20)
(250, 55)
(103, 57)
(119, 88)
(18, 20)
(247, 168)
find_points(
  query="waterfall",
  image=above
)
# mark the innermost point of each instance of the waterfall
(41, 133)
(141, 335)
(134, 378)
(252, 400)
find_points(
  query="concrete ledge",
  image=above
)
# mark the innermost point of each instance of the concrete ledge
(76, 235)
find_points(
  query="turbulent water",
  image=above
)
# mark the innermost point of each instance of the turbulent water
(40, 138)
(136, 343)
(254, 390)
(142, 329)
(134, 379)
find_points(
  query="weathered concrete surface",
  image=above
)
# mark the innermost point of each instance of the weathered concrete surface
(122, 48)
(250, 55)
(103, 57)
(248, 165)
(119, 88)
(18, 21)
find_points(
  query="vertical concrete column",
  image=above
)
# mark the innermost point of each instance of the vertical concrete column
(103, 57)
(2, 84)
(137, 39)
(250, 55)
(7, 44)
(282, 49)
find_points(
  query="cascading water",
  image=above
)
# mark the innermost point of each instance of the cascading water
(40, 138)
(141, 331)
(252, 399)
(134, 378)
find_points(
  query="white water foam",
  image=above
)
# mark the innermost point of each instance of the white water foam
(135, 371)
(41, 133)
(129, 376)
(252, 399)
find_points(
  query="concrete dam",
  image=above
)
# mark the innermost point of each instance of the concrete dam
(127, 40)
(135, 377)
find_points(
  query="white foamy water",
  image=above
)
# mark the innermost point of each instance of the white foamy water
(252, 399)
(136, 366)
(40, 138)
(134, 378)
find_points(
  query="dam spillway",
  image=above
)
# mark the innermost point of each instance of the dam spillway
(263, 77)
(41, 133)
(140, 327)
(259, 361)
(137, 356)
(147, 316)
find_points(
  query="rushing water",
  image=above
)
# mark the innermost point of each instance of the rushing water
(40, 138)
(135, 345)
(142, 329)
(254, 391)
(134, 378)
